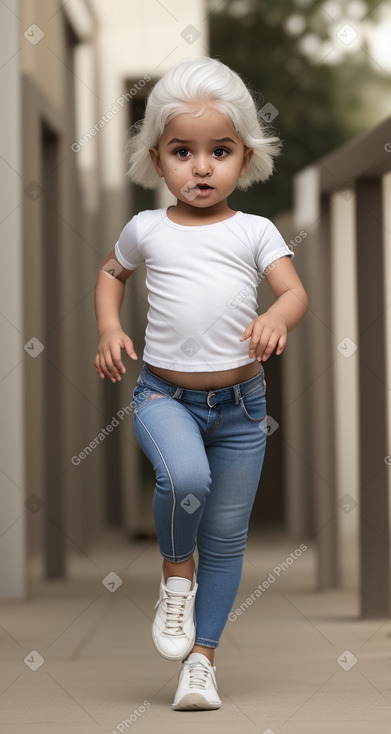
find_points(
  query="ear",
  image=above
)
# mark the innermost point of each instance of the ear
(248, 154)
(154, 153)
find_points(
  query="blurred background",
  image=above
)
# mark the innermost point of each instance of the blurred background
(74, 77)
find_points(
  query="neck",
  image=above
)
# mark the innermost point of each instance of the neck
(185, 212)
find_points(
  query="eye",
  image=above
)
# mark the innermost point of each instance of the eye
(220, 152)
(182, 152)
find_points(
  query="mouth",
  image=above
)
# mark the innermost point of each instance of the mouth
(202, 187)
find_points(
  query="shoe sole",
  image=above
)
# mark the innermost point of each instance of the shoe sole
(178, 656)
(194, 702)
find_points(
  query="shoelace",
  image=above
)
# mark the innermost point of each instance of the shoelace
(198, 675)
(175, 611)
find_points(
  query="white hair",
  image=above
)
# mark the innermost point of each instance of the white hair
(201, 80)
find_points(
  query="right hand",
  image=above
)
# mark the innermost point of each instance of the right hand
(108, 356)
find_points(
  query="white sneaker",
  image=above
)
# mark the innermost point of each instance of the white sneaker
(197, 687)
(173, 629)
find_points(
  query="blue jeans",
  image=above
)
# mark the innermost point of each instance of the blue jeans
(207, 450)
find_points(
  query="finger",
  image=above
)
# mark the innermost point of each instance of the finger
(269, 347)
(257, 332)
(281, 344)
(259, 340)
(97, 365)
(247, 332)
(111, 369)
(130, 349)
(102, 369)
(99, 371)
(116, 359)
(105, 369)
(262, 347)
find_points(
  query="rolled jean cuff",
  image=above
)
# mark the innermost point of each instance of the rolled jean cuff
(177, 559)
(205, 643)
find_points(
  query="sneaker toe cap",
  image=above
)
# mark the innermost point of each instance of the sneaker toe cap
(172, 647)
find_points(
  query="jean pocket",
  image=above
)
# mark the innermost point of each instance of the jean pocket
(254, 405)
(142, 394)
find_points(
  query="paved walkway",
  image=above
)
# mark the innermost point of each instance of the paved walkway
(90, 664)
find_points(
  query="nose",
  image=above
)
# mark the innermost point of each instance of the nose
(202, 165)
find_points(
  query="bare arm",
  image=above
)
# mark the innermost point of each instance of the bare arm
(269, 330)
(292, 300)
(108, 298)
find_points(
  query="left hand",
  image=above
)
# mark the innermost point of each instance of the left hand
(267, 332)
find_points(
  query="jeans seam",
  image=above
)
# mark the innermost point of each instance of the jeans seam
(214, 427)
(178, 559)
(171, 482)
(248, 416)
(201, 640)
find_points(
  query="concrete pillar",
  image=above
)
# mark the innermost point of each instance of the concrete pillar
(321, 402)
(387, 318)
(374, 501)
(12, 439)
(86, 484)
(344, 352)
(298, 495)
(312, 214)
(54, 488)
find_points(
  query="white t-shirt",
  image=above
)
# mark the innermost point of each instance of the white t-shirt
(202, 285)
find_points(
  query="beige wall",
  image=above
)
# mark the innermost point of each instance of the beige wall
(63, 403)
(43, 60)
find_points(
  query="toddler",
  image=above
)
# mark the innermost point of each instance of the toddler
(200, 399)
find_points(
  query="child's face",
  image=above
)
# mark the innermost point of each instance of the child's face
(200, 150)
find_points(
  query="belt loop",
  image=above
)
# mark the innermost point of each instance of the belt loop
(178, 393)
(237, 393)
(210, 395)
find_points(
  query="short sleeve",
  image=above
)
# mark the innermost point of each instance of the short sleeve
(271, 247)
(126, 248)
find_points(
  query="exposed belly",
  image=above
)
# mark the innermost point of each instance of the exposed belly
(207, 380)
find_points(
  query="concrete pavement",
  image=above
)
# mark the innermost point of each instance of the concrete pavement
(77, 656)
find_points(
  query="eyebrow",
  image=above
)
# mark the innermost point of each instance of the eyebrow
(219, 140)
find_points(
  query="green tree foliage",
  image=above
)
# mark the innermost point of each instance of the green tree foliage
(289, 55)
